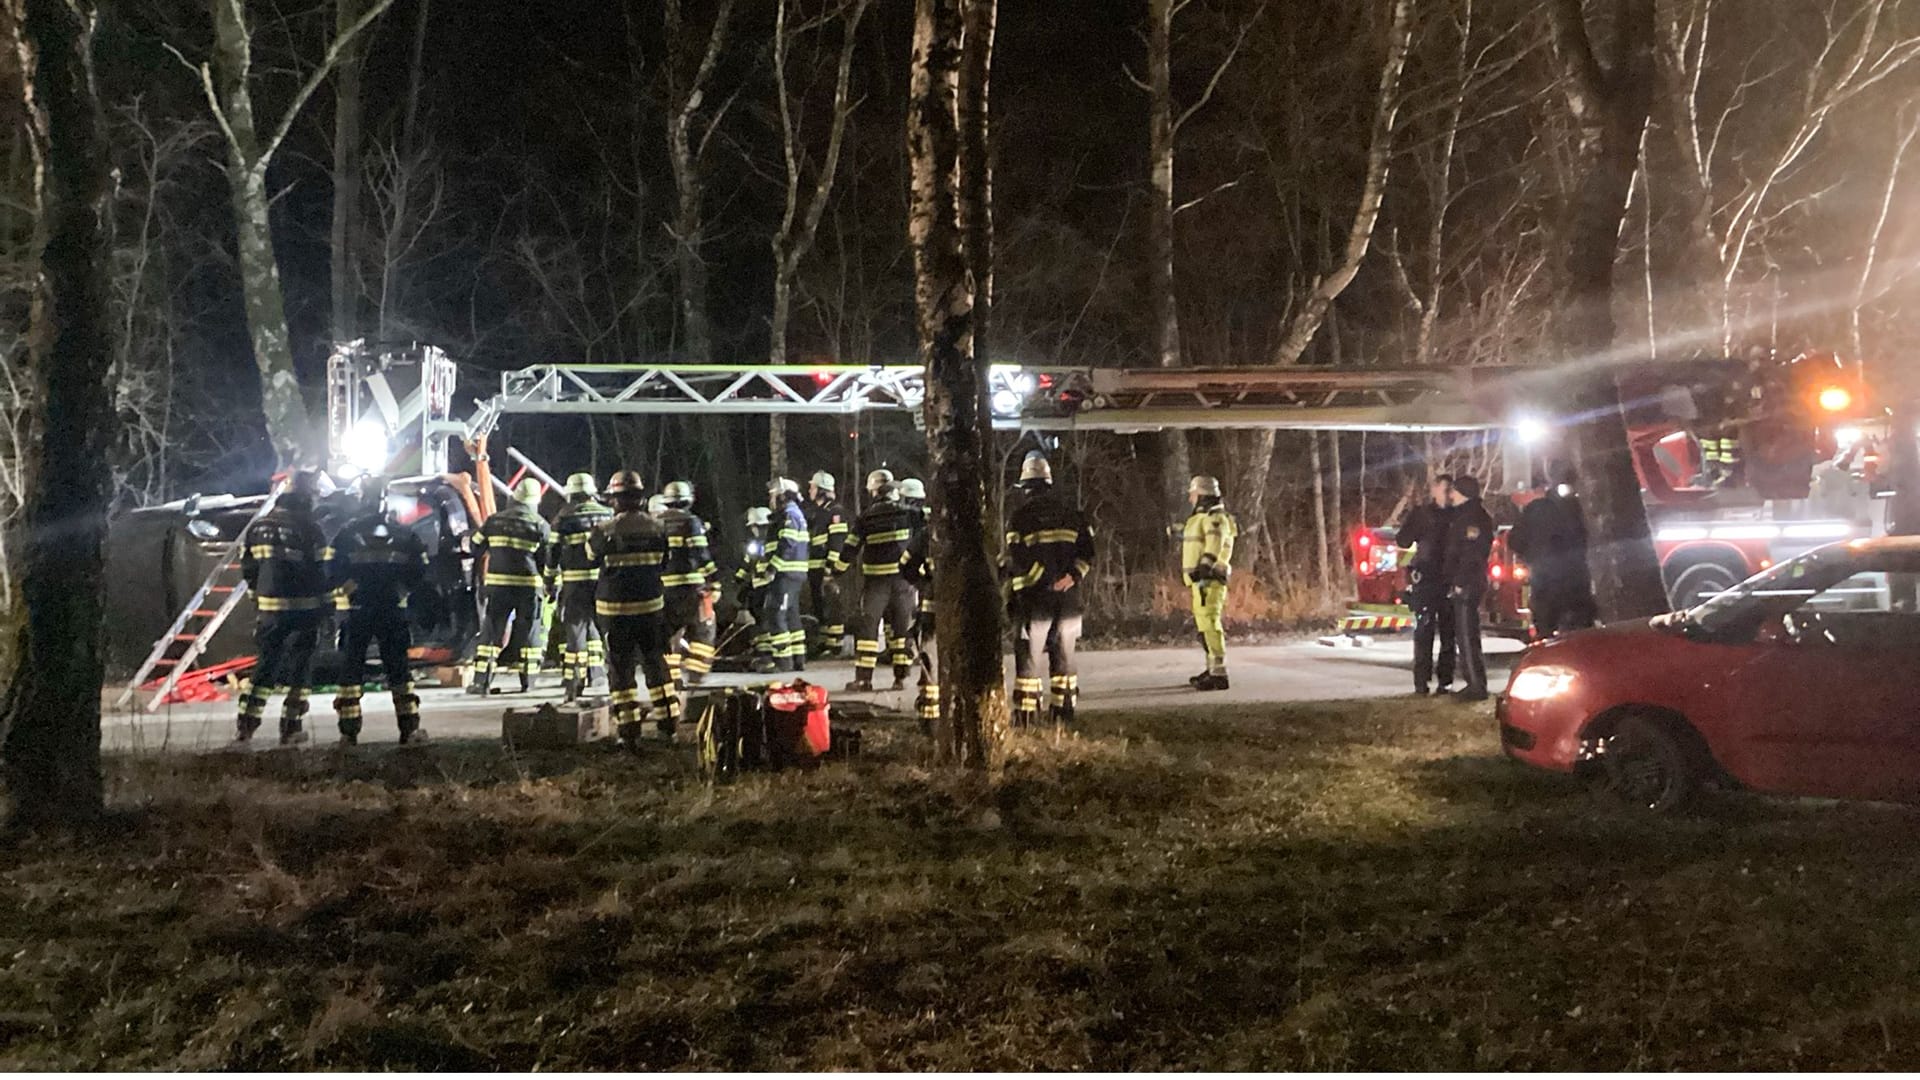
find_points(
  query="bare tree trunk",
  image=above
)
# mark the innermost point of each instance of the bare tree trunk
(1609, 104)
(1175, 459)
(416, 66)
(346, 178)
(1314, 465)
(973, 699)
(51, 712)
(689, 130)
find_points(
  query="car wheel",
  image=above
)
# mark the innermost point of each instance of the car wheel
(1699, 583)
(1644, 765)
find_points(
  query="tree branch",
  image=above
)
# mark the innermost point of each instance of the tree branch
(318, 76)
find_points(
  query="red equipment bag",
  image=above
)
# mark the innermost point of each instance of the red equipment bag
(798, 729)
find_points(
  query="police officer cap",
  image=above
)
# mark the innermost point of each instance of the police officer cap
(582, 484)
(911, 488)
(824, 481)
(879, 480)
(527, 492)
(759, 515)
(1035, 466)
(1204, 485)
(625, 482)
(677, 491)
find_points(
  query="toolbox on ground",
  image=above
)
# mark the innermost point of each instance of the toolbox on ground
(553, 725)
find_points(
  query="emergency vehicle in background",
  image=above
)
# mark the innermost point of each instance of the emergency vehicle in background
(1740, 465)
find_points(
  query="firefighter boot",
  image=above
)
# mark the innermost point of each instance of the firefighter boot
(291, 716)
(1213, 681)
(631, 733)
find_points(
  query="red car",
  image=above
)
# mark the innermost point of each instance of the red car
(1802, 680)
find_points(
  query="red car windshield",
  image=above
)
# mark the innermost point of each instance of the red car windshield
(1791, 584)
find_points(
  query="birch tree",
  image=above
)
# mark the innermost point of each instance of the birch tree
(1608, 97)
(228, 81)
(948, 85)
(345, 230)
(804, 203)
(691, 125)
(51, 711)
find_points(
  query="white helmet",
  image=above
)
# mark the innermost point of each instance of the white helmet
(781, 485)
(759, 515)
(1208, 486)
(912, 488)
(656, 504)
(527, 492)
(823, 480)
(677, 491)
(582, 484)
(879, 482)
(1035, 466)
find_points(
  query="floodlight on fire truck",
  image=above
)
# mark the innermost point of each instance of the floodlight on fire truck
(365, 449)
(1009, 388)
(1835, 398)
(1530, 430)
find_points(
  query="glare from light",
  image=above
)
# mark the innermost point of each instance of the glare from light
(1835, 398)
(1682, 533)
(1530, 430)
(1540, 683)
(1846, 437)
(366, 448)
(1005, 403)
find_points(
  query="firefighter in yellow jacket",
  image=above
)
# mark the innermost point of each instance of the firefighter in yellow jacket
(1206, 561)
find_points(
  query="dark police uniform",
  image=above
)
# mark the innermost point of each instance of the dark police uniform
(1424, 529)
(1469, 544)
(582, 650)
(284, 564)
(1047, 539)
(375, 565)
(689, 567)
(515, 543)
(630, 551)
(1551, 538)
(876, 545)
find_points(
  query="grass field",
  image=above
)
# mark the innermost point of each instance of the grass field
(1328, 886)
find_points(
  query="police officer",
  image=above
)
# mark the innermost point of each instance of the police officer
(786, 642)
(1206, 562)
(826, 535)
(689, 568)
(1424, 531)
(630, 550)
(513, 546)
(375, 564)
(754, 575)
(1469, 544)
(1551, 538)
(1049, 551)
(583, 654)
(876, 545)
(284, 563)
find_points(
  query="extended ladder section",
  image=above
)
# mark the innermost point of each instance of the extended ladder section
(182, 645)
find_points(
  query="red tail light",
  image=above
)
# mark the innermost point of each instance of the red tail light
(1496, 571)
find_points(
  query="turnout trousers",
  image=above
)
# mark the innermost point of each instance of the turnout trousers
(926, 704)
(891, 600)
(1209, 619)
(690, 634)
(1046, 631)
(389, 632)
(284, 644)
(1432, 619)
(637, 650)
(582, 652)
(507, 635)
(828, 614)
(785, 642)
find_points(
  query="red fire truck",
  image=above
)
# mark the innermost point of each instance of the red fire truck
(1740, 465)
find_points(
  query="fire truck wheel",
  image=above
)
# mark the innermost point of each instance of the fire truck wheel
(1699, 582)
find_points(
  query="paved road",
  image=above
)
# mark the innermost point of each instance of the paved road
(1123, 678)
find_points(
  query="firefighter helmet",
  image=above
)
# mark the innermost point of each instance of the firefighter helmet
(1035, 466)
(677, 491)
(582, 484)
(879, 482)
(625, 482)
(911, 488)
(1207, 486)
(656, 504)
(759, 515)
(527, 492)
(823, 480)
(304, 482)
(781, 485)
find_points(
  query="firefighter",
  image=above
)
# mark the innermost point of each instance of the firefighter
(512, 545)
(1551, 538)
(1424, 532)
(284, 563)
(630, 550)
(689, 568)
(918, 568)
(826, 535)
(754, 575)
(375, 564)
(1206, 562)
(876, 545)
(583, 656)
(1469, 545)
(1048, 553)
(785, 643)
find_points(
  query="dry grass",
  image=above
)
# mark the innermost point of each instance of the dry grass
(1293, 887)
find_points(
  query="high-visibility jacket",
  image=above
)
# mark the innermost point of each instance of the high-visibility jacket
(515, 543)
(879, 537)
(1047, 538)
(375, 564)
(689, 560)
(1207, 540)
(629, 551)
(792, 543)
(284, 561)
(567, 558)
(826, 532)
(755, 570)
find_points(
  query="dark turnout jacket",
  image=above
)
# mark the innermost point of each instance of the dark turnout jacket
(284, 561)
(1047, 538)
(1469, 544)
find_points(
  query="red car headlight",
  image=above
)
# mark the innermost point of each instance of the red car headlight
(1540, 683)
